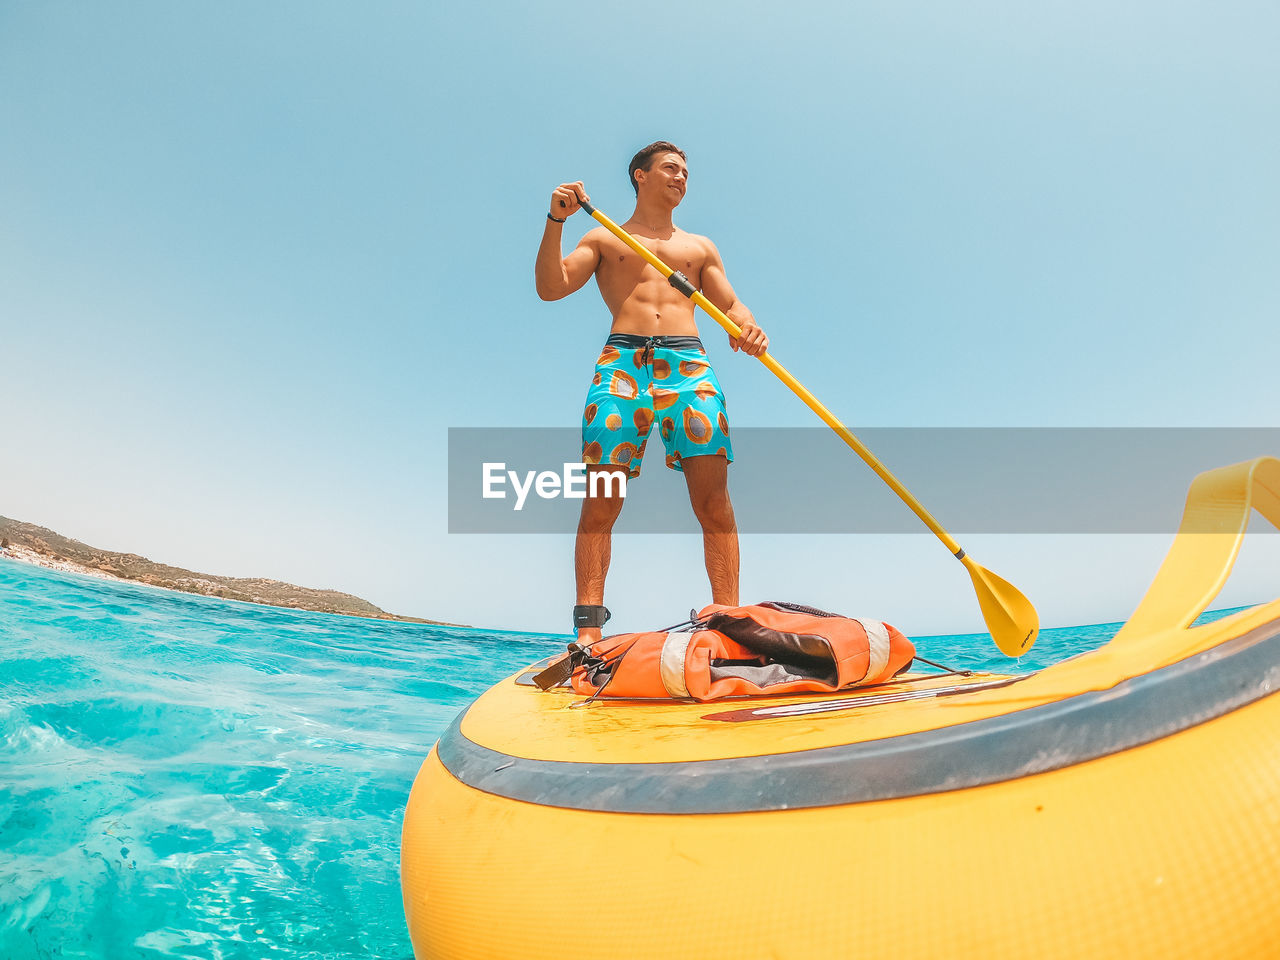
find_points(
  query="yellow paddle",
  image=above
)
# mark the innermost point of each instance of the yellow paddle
(1009, 615)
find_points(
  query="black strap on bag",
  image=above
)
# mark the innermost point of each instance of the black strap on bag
(562, 669)
(584, 615)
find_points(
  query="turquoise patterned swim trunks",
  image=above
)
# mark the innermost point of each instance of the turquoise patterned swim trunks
(640, 380)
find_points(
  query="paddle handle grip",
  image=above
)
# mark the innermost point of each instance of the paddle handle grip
(781, 372)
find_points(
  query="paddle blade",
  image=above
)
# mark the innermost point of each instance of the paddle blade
(1011, 619)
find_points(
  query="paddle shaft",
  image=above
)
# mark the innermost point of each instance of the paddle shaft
(683, 284)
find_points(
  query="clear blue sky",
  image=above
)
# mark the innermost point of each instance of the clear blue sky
(255, 259)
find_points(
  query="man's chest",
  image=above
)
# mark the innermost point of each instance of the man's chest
(680, 253)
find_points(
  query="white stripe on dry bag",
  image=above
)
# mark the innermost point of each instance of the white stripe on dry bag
(877, 647)
(671, 664)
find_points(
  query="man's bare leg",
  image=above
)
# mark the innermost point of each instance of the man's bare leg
(708, 480)
(594, 545)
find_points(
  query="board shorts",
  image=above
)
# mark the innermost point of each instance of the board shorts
(640, 381)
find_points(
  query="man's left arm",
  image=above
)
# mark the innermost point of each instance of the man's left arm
(716, 288)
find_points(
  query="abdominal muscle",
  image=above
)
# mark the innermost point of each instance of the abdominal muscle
(650, 307)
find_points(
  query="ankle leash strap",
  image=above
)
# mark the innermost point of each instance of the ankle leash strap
(590, 615)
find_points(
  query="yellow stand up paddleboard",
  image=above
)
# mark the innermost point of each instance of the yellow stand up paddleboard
(1124, 803)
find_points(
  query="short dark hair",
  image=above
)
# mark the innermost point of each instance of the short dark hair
(644, 159)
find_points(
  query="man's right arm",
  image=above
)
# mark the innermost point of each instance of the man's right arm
(555, 277)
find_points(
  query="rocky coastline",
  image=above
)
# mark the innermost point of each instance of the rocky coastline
(29, 543)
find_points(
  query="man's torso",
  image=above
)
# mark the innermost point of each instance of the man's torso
(638, 296)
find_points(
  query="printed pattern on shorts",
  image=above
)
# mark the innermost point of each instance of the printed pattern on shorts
(633, 389)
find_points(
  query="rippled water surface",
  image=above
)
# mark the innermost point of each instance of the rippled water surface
(187, 777)
(184, 777)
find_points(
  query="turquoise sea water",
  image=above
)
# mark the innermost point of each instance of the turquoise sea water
(188, 777)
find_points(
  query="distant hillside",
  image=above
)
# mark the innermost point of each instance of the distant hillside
(26, 541)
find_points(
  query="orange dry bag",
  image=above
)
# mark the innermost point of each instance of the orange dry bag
(764, 648)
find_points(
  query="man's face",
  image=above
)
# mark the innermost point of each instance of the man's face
(667, 176)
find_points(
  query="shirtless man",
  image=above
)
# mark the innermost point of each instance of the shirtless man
(652, 368)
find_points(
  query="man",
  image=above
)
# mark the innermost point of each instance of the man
(652, 368)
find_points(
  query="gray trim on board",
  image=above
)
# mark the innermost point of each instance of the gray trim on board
(1048, 737)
